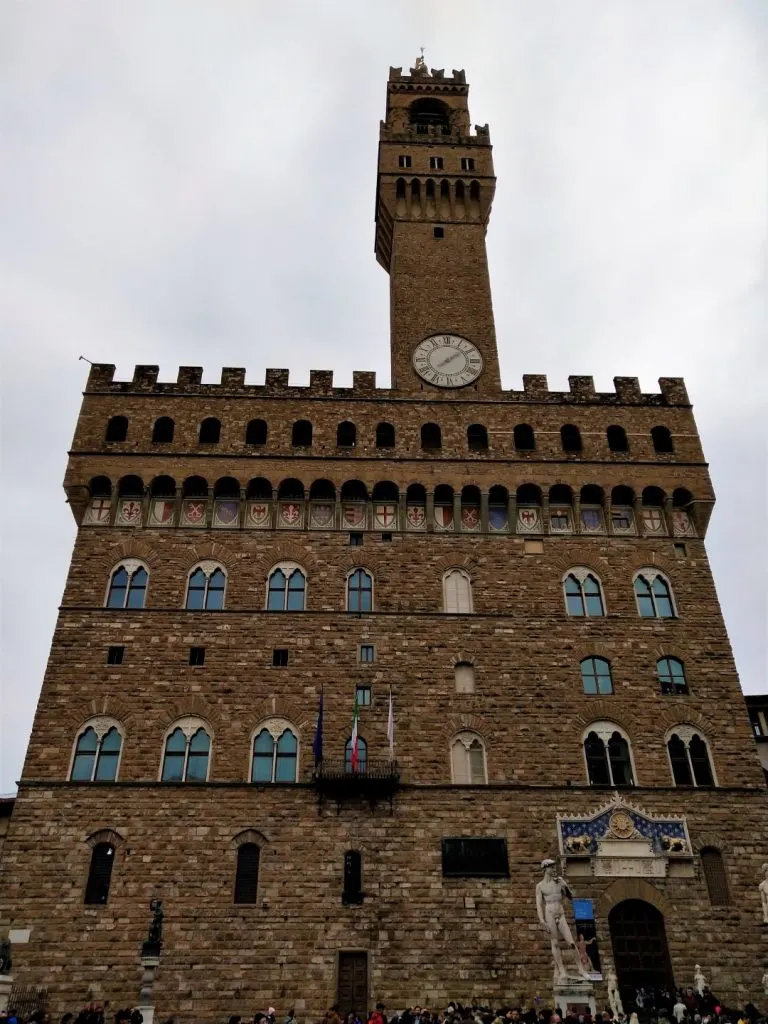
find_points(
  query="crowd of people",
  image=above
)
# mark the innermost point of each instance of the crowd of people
(649, 1006)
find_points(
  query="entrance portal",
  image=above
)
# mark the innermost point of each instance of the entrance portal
(640, 950)
(353, 984)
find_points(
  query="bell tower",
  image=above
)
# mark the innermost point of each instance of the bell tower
(433, 200)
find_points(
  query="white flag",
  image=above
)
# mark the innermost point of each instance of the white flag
(391, 728)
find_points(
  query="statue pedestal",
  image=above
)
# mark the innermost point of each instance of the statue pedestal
(6, 984)
(574, 994)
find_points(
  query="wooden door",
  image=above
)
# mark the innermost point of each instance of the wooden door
(353, 984)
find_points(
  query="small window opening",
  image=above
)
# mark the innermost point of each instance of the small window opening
(115, 655)
(353, 877)
(280, 657)
(403, 160)
(355, 540)
(436, 163)
(681, 551)
(367, 653)
(439, 232)
(467, 163)
(387, 538)
(363, 696)
(196, 655)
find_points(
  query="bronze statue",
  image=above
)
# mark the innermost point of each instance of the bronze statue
(154, 941)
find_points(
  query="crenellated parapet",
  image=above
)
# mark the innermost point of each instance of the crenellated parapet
(277, 382)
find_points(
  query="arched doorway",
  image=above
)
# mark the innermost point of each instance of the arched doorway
(640, 950)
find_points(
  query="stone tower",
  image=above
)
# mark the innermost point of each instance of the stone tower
(502, 603)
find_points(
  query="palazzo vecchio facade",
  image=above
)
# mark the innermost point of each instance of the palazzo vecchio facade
(523, 570)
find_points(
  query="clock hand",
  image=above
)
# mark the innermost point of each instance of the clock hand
(445, 362)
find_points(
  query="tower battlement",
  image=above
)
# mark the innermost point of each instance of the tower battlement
(277, 382)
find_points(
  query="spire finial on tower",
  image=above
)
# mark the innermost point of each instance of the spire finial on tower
(420, 68)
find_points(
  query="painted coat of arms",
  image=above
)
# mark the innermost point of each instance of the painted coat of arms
(416, 517)
(225, 513)
(681, 524)
(528, 520)
(290, 513)
(592, 520)
(444, 517)
(321, 514)
(161, 513)
(258, 514)
(129, 513)
(653, 521)
(470, 517)
(497, 518)
(560, 520)
(193, 513)
(97, 513)
(353, 515)
(385, 515)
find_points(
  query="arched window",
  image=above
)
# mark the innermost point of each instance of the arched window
(653, 595)
(457, 592)
(256, 432)
(301, 435)
(359, 591)
(477, 438)
(286, 590)
(117, 429)
(362, 755)
(689, 758)
(596, 676)
(163, 487)
(247, 873)
(662, 440)
(608, 756)
(162, 432)
(127, 585)
(131, 487)
(205, 588)
(385, 435)
(100, 874)
(210, 431)
(617, 439)
(671, 673)
(346, 435)
(714, 875)
(187, 753)
(524, 438)
(429, 113)
(100, 487)
(583, 595)
(464, 677)
(571, 438)
(195, 487)
(468, 765)
(431, 438)
(275, 753)
(97, 753)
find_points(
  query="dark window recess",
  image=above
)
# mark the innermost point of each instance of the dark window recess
(247, 873)
(386, 537)
(465, 857)
(367, 653)
(680, 551)
(467, 163)
(196, 655)
(280, 657)
(356, 540)
(353, 877)
(404, 161)
(363, 696)
(115, 655)
(117, 429)
(100, 873)
(715, 876)
(439, 232)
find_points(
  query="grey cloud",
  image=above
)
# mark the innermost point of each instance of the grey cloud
(194, 183)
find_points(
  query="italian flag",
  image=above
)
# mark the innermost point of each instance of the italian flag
(355, 744)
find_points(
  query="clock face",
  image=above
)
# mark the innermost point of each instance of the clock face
(447, 361)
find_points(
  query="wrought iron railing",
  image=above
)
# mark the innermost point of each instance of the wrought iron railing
(372, 770)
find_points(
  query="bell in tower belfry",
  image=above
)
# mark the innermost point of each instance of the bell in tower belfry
(434, 195)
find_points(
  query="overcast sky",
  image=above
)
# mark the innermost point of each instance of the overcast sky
(192, 182)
